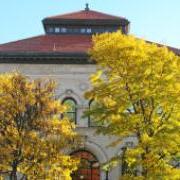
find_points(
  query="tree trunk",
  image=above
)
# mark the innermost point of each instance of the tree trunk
(13, 175)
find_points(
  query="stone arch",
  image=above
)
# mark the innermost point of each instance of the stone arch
(97, 150)
(71, 94)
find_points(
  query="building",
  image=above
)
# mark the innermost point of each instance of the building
(61, 54)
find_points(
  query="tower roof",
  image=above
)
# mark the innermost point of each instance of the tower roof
(85, 15)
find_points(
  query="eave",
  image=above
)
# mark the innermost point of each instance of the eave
(44, 58)
(79, 22)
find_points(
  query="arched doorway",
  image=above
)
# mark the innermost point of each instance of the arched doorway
(89, 168)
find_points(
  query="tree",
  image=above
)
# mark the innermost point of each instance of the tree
(137, 92)
(33, 138)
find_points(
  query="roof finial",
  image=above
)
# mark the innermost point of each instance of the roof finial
(87, 7)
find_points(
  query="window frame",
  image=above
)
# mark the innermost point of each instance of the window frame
(57, 30)
(63, 30)
(83, 30)
(89, 117)
(71, 112)
(89, 30)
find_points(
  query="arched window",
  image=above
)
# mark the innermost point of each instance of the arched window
(91, 123)
(71, 112)
(89, 168)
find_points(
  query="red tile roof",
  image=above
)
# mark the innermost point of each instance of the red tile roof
(55, 44)
(84, 14)
(49, 44)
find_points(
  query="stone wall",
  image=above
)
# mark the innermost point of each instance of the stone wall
(72, 81)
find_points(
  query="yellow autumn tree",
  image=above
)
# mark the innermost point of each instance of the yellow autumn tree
(33, 138)
(137, 93)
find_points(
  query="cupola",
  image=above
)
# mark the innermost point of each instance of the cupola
(86, 22)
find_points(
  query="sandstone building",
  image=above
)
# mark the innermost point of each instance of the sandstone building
(61, 54)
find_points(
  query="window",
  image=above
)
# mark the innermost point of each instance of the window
(79, 30)
(70, 30)
(72, 110)
(50, 29)
(83, 30)
(88, 30)
(63, 30)
(75, 30)
(91, 122)
(57, 29)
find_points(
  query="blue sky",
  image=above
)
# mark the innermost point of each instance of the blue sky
(155, 20)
